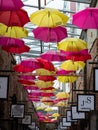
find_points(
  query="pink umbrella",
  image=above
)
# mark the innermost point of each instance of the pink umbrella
(53, 55)
(10, 5)
(28, 77)
(32, 63)
(50, 34)
(86, 19)
(31, 88)
(63, 72)
(82, 55)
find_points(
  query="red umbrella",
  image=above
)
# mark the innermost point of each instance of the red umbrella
(48, 88)
(47, 78)
(26, 82)
(52, 55)
(46, 64)
(14, 18)
(47, 94)
(21, 68)
(50, 34)
(86, 18)
(10, 5)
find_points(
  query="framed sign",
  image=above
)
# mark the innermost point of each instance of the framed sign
(32, 126)
(77, 115)
(17, 110)
(27, 120)
(65, 123)
(69, 116)
(95, 78)
(86, 102)
(61, 127)
(4, 85)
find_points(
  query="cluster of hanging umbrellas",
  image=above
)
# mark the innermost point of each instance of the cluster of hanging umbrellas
(38, 74)
(12, 21)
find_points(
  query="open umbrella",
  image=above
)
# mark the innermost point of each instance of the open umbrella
(14, 31)
(48, 17)
(20, 68)
(46, 34)
(47, 78)
(72, 65)
(78, 56)
(44, 72)
(62, 95)
(31, 63)
(67, 79)
(46, 64)
(10, 5)
(14, 18)
(13, 45)
(64, 72)
(86, 18)
(16, 49)
(72, 45)
(43, 84)
(53, 55)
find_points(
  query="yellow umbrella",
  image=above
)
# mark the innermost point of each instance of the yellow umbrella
(55, 115)
(62, 95)
(72, 65)
(67, 79)
(72, 45)
(48, 17)
(43, 84)
(43, 71)
(40, 108)
(14, 31)
(49, 109)
(60, 104)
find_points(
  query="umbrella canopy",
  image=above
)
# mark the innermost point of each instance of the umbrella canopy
(28, 77)
(43, 84)
(72, 45)
(60, 104)
(26, 82)
(46, 64)
(64, 72)
(49, 109)
(44, 72)
(21, 68)
(13, 45)
(67, 79)
(31, 63)
(86, 18)
(16, 49)
(14, 18)
(14, 31)
(78, 56)
(62, 95)
(50, 34)
(47, 78)
(10, 5)
(48, 17)
(55, 115)
(72, 65)
(53, 55)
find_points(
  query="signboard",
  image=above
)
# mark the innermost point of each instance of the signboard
(95, 78)
(86, 102)
(4, 84)
(77, 115)
(17, 110)
(65, 123)
(27, 119)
